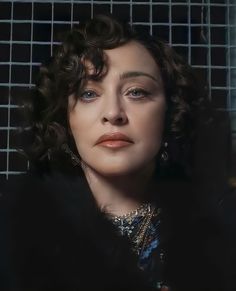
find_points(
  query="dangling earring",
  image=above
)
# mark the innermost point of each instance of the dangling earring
(49, 154)
(74, 159)
(164, 154)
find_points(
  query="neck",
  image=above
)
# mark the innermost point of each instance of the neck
(119, 195)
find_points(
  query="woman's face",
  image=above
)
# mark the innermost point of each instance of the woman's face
(117, 122)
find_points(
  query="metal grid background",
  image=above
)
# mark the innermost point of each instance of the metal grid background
(203, 31)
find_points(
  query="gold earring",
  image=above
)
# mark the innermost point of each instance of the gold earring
(164, 154)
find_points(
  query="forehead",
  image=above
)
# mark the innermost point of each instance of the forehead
(131, 56)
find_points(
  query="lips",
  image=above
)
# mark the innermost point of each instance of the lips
(114, 137)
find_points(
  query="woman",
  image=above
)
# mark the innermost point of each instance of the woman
(111, 202)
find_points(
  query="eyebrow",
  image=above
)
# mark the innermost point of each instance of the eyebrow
(132, 74)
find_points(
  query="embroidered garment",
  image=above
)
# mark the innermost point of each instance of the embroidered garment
(149, 255)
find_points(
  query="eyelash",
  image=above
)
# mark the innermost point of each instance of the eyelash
(84, 99)
(144, 94)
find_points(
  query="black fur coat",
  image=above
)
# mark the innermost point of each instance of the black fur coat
(54, 237)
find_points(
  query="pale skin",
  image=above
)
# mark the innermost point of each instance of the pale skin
(129, 99)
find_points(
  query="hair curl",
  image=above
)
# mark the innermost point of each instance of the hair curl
(66, 72)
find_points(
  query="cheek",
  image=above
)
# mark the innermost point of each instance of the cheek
(153, 135)
(81, 125)
(152, 122)
(76, 126)
(79, 121)
(73, 123)
(151, 126)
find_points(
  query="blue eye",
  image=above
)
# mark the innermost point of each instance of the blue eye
(138, 93)
(88, 95)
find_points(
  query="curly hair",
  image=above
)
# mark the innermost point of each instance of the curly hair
(66, 72)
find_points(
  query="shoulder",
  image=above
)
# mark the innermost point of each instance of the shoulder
(48, 180)
(35, 202)
(32, 188)
(61, 239)
(202, 245)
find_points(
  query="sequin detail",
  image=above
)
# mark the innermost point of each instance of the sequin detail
(148, 254)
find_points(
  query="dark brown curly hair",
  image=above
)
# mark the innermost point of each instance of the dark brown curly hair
(65, 74)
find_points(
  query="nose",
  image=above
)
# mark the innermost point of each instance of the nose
(114, 112)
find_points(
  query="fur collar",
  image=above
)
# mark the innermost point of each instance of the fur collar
(59, 239)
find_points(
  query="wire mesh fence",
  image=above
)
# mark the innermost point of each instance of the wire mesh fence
(202, 31)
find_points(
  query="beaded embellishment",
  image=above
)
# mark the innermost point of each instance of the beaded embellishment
(142, 227)
(135, 224)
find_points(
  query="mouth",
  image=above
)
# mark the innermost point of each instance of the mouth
(114, 140)
(115, 143)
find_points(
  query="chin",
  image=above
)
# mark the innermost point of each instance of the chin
(110, 174)
(116, 170)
